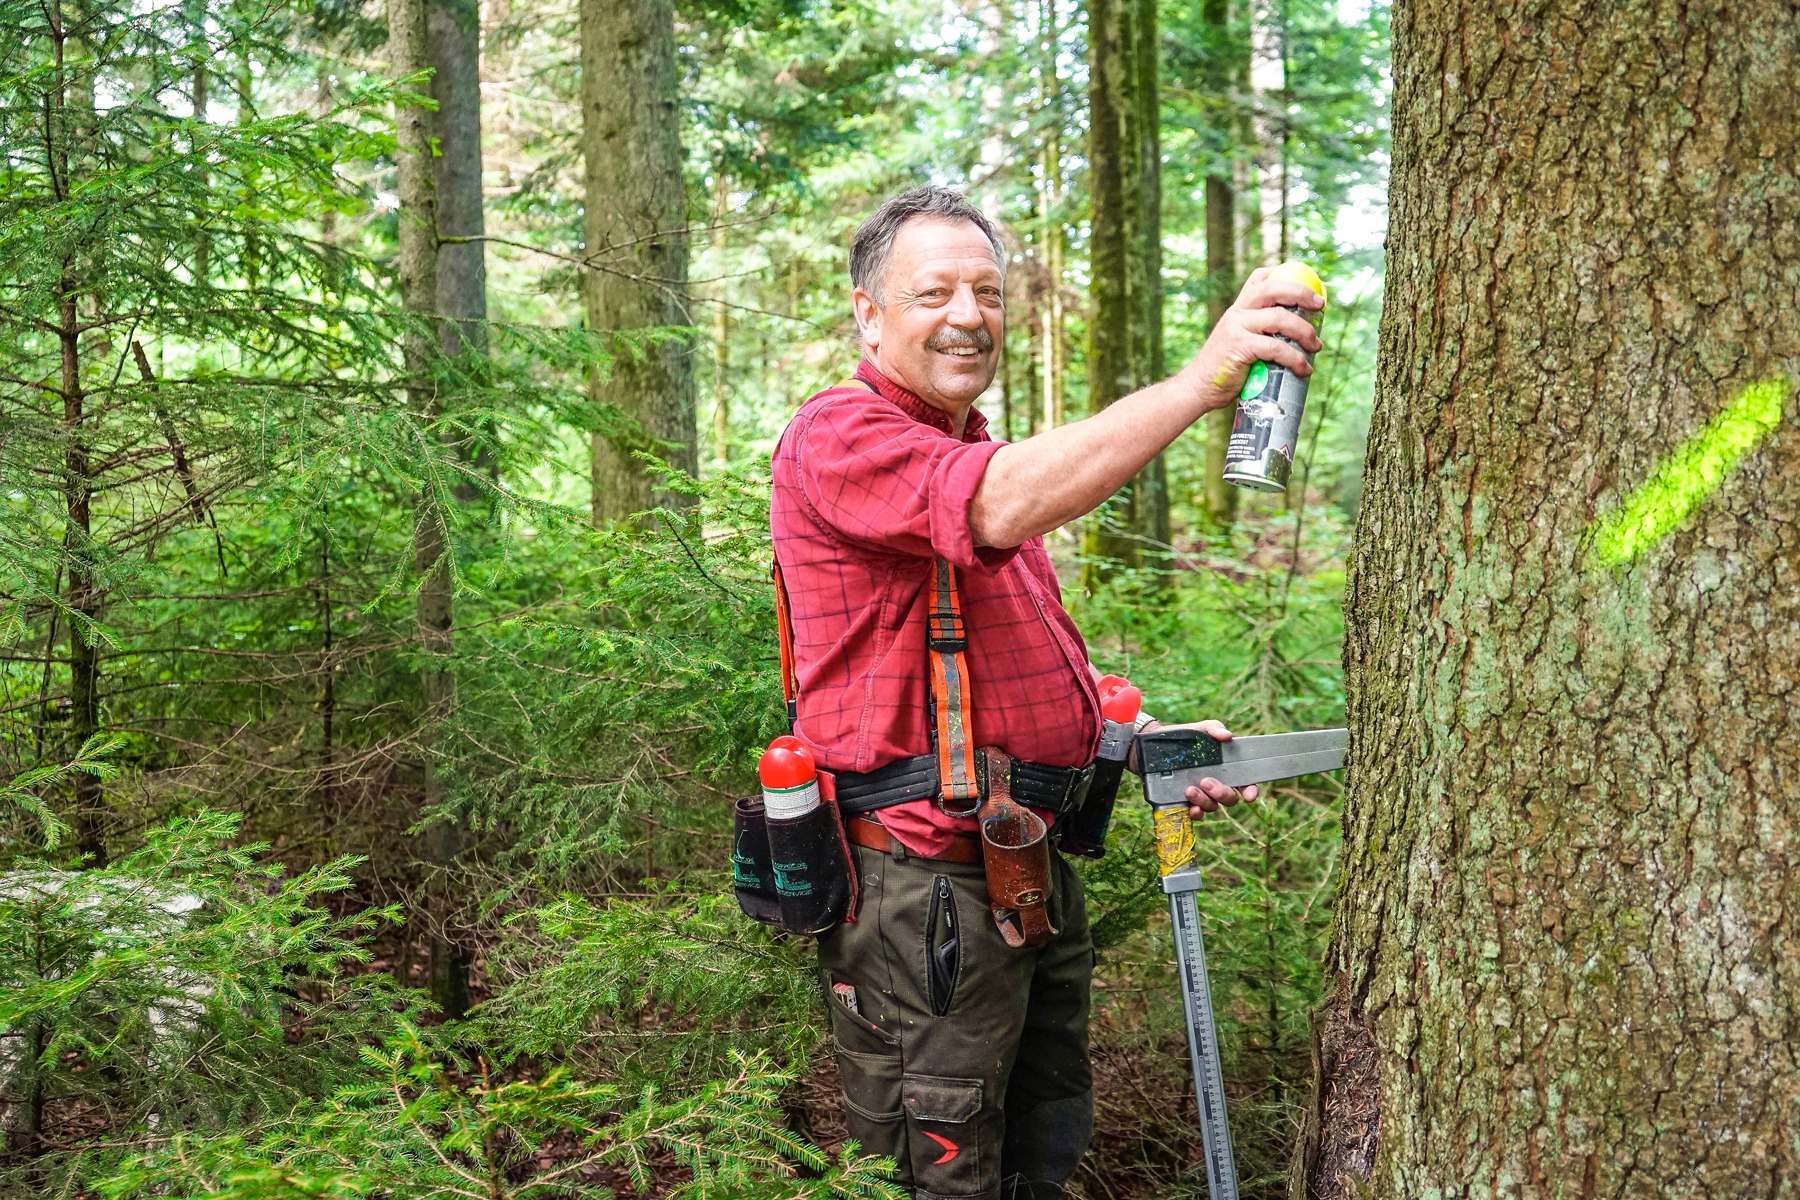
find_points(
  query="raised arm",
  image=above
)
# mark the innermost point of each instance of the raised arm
(1046, 481)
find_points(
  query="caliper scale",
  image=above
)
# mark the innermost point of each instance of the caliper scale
(1175, 758)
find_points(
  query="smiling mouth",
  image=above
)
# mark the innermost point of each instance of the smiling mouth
(961, 351)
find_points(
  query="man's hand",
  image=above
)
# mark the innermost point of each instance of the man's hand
(1207, 795)
(1246, 334)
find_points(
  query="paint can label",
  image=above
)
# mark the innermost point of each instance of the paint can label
(1260, 455)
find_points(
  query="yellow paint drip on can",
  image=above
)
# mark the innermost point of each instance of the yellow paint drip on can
(1174, 840)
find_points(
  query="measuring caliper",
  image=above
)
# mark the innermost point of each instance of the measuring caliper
(1174, 758)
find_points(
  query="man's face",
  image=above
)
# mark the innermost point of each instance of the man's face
(942, 322)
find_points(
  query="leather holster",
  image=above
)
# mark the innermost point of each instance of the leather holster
(1015, 850)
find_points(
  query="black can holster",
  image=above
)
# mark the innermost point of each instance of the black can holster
(795, 875)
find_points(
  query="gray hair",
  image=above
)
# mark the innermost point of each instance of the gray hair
(873, 246)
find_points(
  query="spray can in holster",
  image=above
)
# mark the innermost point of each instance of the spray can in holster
(1264, 436)
(789, 863)
(1084, 832)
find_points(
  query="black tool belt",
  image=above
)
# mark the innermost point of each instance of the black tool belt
(1056, 789)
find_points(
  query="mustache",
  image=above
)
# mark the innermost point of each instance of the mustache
(949, 338)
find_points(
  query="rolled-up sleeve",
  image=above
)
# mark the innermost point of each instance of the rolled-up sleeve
(882, 480)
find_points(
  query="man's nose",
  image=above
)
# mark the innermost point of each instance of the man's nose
(963, 311)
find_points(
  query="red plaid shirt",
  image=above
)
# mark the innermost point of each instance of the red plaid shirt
(870, 489)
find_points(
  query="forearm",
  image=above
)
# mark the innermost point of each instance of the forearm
(1047, 481)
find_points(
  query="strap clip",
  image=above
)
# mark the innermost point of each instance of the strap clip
(945, 633)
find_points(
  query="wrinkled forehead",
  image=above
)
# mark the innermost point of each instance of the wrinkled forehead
(931, 245)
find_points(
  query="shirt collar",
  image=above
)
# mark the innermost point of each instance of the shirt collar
(974, 429)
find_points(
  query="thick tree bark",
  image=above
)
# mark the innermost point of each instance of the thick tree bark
(1219, 497)
(637, 243)
(408, 51)
(1567, 957)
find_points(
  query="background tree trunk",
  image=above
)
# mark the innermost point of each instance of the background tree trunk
(1109, 367)
(68, 127)
(1567, 959)
(409, 51)
(1053, 356)
(453, 29)
(1152, 483)
(637, 241)
(454, 33)
(1219, 497)
(1125, 248)
(1268, 118)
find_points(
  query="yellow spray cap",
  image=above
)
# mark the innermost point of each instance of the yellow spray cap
(1295, 271)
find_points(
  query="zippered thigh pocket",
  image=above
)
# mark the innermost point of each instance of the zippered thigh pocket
(943, 946)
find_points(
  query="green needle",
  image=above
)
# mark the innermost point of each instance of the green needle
(1688, 476)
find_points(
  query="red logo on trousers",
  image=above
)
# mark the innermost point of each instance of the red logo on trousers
(951, 1149)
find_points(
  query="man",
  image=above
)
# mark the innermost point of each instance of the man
(961, 1057)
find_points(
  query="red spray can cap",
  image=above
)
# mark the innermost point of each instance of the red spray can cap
(787, 763)
(1123, 705)
(1106, 685)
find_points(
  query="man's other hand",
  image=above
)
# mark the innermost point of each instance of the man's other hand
(1246, 334)
(1207, 795)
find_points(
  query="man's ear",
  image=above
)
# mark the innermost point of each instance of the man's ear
(868, 318)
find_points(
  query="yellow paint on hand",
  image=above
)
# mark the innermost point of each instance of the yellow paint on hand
(1683, 481)
(1174, 839)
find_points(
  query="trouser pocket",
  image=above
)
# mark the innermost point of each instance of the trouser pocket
(945, 1131)
(871, 1085)
(943, 946)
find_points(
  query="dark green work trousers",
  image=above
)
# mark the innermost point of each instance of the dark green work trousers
(962, 1059)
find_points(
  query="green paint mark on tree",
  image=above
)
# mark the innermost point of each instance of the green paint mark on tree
(1691, 474)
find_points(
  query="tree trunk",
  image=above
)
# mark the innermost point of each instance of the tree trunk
(1268, 117)
(1124, 246)
(1219, 497)
(453, 40)
(1565, 962)
(1053, 356)
(1152, 483)
(408, 50)
(66, 129)
(637, 245)
(454, 44)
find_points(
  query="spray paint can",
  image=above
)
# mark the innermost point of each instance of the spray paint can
(1260, 454)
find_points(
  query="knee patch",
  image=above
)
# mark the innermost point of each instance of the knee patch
(1044, 1144)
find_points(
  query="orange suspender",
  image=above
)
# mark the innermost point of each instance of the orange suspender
(959, 787)
(784, 636)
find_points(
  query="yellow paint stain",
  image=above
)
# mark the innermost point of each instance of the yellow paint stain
(1174, 839)
(1683, 481)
